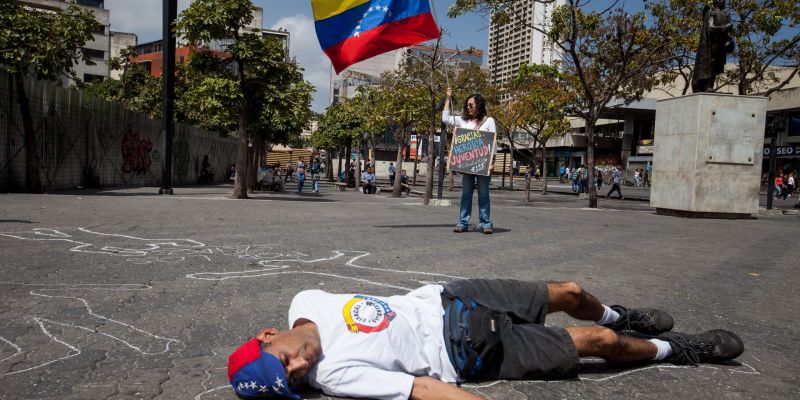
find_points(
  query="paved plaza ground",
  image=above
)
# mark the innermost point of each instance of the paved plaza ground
(125, 294)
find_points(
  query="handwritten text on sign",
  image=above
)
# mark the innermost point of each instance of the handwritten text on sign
(471, 151)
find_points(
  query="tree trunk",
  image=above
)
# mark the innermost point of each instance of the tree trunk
(396, 190)
(358, 168)
(452, 181)
(256, 153)
(33, 164)
(240, 184)
(590, 125)
(429, 181)
(329, 166)
(528, 181)
(340, 152)
(511, 174)
(348, 150)
(544, 168)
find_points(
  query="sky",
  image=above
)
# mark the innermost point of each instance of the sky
(143, 17)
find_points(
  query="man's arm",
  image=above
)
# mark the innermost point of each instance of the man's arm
(426, 388)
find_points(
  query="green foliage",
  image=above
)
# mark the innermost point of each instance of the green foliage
(272, 91)
(207, 20)
(47, 43)
(767, 35)
(400, 102)
(136, 89)
(540, 99)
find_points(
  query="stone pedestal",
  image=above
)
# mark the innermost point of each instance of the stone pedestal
(707, 157)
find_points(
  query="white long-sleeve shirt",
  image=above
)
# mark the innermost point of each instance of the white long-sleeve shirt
(456, 120)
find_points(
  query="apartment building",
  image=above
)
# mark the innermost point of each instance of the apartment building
(149, 55)
(98, 49)
(516, 43)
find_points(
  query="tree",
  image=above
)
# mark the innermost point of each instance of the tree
(136, 89)
(766, 34)
(341, 127)
(263, 76)
(46, 44)
(542, 99)
(427, 72)
(608, 54)
(399, 103)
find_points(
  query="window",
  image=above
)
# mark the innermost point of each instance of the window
(96, 54)
(147, 66)
(794, 124)
(91, 78)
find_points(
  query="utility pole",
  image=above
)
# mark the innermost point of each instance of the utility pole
(168, 100)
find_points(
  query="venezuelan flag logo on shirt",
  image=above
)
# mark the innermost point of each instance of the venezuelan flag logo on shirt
(350, 31)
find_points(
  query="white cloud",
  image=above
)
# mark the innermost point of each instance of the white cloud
(304, 46)
(142, 17)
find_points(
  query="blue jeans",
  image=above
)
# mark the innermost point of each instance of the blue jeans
(468, 184)
(315, 184)
(301, 179)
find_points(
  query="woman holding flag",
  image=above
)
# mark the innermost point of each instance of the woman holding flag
(472, 117)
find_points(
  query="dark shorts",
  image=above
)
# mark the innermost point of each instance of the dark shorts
(527, 348)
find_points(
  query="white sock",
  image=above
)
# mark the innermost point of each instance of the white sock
(609, 316)
(664, 349)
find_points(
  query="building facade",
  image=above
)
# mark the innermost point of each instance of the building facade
(99, 49)
(150, 55)
(517, 42)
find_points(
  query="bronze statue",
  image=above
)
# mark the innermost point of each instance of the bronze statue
(715, 43)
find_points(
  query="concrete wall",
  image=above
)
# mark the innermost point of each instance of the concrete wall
(120, 41)
(83, 140)
(708, 152)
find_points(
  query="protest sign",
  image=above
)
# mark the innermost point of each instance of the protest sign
(471, 151)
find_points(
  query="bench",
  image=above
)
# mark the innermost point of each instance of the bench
(340, 186)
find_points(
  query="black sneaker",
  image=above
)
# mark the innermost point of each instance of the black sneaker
(647, 321)
(713, 346)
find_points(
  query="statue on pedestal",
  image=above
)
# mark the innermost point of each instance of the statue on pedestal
(715, 43)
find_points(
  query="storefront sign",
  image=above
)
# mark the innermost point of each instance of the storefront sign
(645, 149)
(783, 151)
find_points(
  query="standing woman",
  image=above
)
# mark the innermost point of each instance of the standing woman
(472, 117)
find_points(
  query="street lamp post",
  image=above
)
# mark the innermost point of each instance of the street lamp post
(168, 100)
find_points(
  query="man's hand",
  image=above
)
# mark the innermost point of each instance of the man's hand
(426, 388)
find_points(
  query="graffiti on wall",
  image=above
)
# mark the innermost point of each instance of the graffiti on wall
(135, 153)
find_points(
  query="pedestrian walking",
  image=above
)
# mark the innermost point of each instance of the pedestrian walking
(790, 185)
(779, 186)
(300, 170)
(615, 181)
(314, 169)
(575, 179)
(472, 117)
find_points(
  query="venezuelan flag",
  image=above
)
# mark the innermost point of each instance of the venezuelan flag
(350, 31)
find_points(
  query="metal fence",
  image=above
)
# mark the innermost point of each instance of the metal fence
(86, 141)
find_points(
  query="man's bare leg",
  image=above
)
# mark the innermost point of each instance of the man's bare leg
(570, 298)
(597, 341)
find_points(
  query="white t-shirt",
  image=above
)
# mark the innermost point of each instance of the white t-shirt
(374, 346)
(456, 120)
